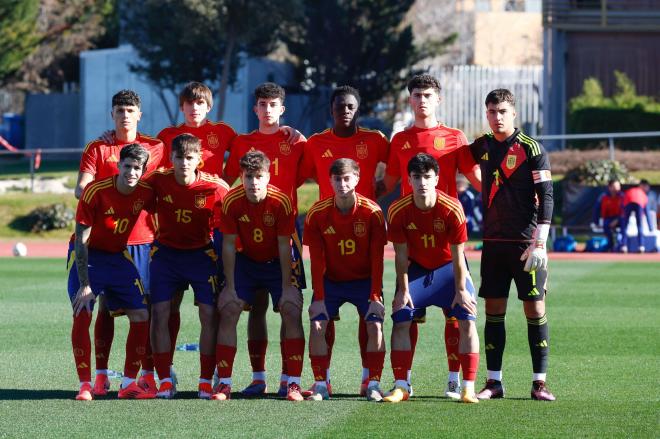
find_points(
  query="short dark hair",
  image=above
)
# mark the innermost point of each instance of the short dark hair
(186, 143)
(612, 181)
(344, 90)
(254, 161)
(193, 91)
(424, 81)
(644, 181)
(269, 90)
(126, 98)
(422, 163)
(344, 166)
(500, 95)
(136, 152)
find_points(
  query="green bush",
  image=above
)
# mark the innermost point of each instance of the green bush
(599, 172)
(54, 216)
(625, 111)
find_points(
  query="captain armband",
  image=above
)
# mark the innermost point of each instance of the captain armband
(541, 176)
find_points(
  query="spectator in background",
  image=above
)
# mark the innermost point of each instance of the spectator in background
(652, 205)
(471, 203)
(634, 202)
(608, 212)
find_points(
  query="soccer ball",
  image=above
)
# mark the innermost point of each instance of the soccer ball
(20, 250)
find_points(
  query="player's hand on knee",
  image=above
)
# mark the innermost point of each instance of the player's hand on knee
(376, 309)
(317, 308)
(83, 300)
(293, 135)
(402, 299)
(291, 296)
(228, 296)
(465, 300)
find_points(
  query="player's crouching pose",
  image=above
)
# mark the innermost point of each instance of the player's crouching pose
(427, 228)
(107, 211)
(182, 255)
(262, 218)
(346, 238)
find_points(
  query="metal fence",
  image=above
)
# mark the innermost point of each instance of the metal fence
(464, 89)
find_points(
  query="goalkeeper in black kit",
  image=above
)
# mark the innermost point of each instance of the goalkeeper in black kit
(517, 199)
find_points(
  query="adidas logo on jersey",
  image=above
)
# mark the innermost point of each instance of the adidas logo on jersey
(112, 158)
(484, 157)
(244, 219)
(329, 231)
(327, 154)
(168, 198)
(406, 146)
(411, 226)
(110, 211)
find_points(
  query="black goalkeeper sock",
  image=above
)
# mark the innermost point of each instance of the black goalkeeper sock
(495, 339)
(537, 334)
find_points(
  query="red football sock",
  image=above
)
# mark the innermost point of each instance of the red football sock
(224, 355)
(452, 335)
(363, 338)
(375, 361)
(206, 366)
(104, 332)
(148, 360)
(319, 367)
(173, 324)
(401, 361)
(470, 365)
(136, 341)
(162, 364)
(283, 355)
(414, 335)
(82, 345)
(257, 350)
(295, 350)
(330, 338)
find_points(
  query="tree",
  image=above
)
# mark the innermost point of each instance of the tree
(18, 36)
(61, 30)
(361, 43)
(183, 40)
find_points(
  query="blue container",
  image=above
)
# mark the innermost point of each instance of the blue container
(14, 129)
(565, 244)
(597, 244)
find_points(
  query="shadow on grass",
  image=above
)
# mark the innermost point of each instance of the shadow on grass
(31, 394)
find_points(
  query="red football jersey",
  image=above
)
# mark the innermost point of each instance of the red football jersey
(215, 137)
(611, 205)
(101, 160)
(111, 214)
(428, 233)
(366, 147)
(258, 225)
(635, 195)
(284, 158)
(346, 247)
(185, 213)
(447, 145)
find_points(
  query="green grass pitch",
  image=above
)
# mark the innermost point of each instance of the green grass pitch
(603, 369)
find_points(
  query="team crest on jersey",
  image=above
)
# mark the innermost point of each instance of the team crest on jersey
(511, 161)
(362, 150)
(438, 143)
(137, 206)
(269, 219)
(212, 140)
(112, 159)
(200, 201)
(438, 225)
(77, 352)
(285, 148)
(360, 228)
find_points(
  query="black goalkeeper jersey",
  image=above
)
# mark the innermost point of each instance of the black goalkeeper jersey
(516, 186)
